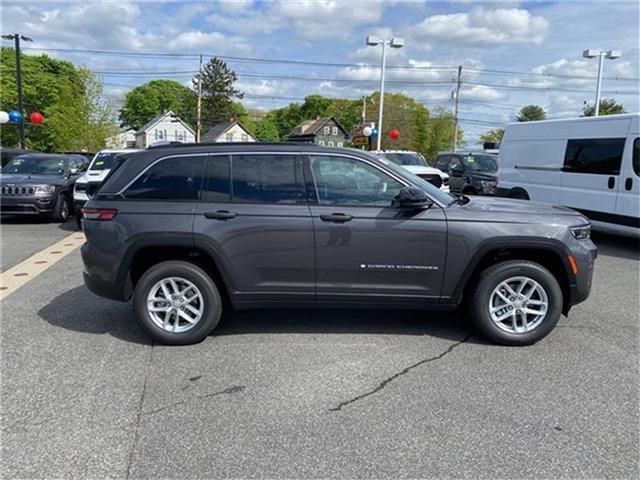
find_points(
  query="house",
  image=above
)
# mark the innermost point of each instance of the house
(122, 140)
(232, 131)
(321, 131)
(166, 127)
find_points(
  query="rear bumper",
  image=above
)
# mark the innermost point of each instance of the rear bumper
(27, 205)
(110, 290)
(98, 281)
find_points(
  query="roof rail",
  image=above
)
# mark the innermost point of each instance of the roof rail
(201, 144)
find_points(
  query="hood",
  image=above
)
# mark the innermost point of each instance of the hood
(22, 179)
(421, 170)
(517, 211)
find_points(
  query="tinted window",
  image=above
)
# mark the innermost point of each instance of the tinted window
(266, 179)
(343, 181)
(442, 163)
(37, 165)
(177, 178)
(636, 156)
(594, 155)
(217, 186)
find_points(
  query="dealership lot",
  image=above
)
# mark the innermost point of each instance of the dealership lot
(313, 393)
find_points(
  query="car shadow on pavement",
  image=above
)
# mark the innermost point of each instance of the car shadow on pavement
(81, 311)
(68, 226)
(617, 245)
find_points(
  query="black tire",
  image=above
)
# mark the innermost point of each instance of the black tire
(62, 210)
(212, 302)
(491, 278)
(518, 194)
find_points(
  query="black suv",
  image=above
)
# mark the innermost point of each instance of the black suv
(40, 184)
(470, 173)
(185, 230)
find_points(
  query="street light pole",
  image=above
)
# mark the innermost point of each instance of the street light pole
(601, 54)
(16, 37)
(393, 43)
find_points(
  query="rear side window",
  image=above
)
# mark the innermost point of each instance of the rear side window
(217, 184)
(636, 156)
(600, 156)
(442, 163)
(178, 178)
(266, 179)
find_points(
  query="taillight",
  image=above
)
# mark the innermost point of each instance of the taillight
(103, 214)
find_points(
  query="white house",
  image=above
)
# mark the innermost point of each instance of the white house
(232, 131)
(166, 127)
(122, 140)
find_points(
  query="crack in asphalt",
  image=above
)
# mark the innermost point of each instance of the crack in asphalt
(404, 371)
(134, 441)
(227, 391)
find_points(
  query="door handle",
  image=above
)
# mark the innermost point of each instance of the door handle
(628, 184)
(612, 182)
(221, 215)
(335, 217)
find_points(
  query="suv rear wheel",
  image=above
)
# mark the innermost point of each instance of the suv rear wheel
(517, 302)
(177, 303)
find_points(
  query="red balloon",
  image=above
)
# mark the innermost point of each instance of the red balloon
(36, 117)
(394, 134)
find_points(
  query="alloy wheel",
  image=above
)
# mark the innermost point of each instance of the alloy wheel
(518, 305)
(175, 304)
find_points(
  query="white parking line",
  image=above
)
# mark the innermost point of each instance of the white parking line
(24, 272)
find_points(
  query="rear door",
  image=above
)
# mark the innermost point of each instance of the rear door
(456, 182)
(591, 174)
(366, 250)
(254, 218)
(628, 205)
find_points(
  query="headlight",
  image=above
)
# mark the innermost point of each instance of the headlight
(44, 188)
(488, 185)
(582, 232)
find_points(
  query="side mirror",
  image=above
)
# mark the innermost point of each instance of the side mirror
(412, 197)
(455, 171)
(74, 171)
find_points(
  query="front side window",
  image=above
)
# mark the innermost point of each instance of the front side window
(266, 179)
(177, 178)
(636, 156)
(345, 181)
(600, 156)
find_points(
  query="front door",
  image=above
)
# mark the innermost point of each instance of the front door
(367, 250)
(254, 218)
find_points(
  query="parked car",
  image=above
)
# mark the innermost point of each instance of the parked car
(180, 229)
(39, 184)
(590, 164)
(470, 173)
(416, 164)
(97, 171)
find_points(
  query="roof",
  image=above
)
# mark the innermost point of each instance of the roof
(312, 127)
(220, 128)
(159, 118)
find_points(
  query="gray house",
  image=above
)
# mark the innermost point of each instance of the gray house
(321, 131)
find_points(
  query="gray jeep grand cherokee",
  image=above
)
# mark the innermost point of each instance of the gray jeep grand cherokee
(186, 230)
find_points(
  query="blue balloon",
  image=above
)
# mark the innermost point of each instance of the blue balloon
(15, 116)
(374, 132)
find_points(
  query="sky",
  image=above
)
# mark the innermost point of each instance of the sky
(512, 53)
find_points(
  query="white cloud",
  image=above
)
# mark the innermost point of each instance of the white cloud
(481, 93)
(482, 27)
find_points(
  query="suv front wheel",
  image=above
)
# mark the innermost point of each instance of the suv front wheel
(516, 302)
(177, 303)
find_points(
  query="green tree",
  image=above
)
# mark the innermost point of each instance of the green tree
(608, 106)
(155, 97)
(264, 129)
(531, 113)
(218, 92)
(440, 130)
(493, 135)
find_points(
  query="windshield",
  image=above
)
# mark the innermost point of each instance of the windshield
(36, 165)
(432, 191)
(480, 163)
(102, 161)
(406, 158)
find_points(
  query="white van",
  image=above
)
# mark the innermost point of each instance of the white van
(590, 164)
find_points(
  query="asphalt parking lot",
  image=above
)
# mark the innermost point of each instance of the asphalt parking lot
(313, 393)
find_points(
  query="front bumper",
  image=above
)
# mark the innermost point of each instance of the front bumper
(585, 259)
(27, 205)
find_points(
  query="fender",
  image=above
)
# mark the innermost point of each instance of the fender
(548, 244)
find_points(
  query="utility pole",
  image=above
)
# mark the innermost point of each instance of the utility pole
(199, 106)
(457, 109)
(16, 37)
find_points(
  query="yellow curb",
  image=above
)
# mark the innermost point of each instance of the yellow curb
(24, 272)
